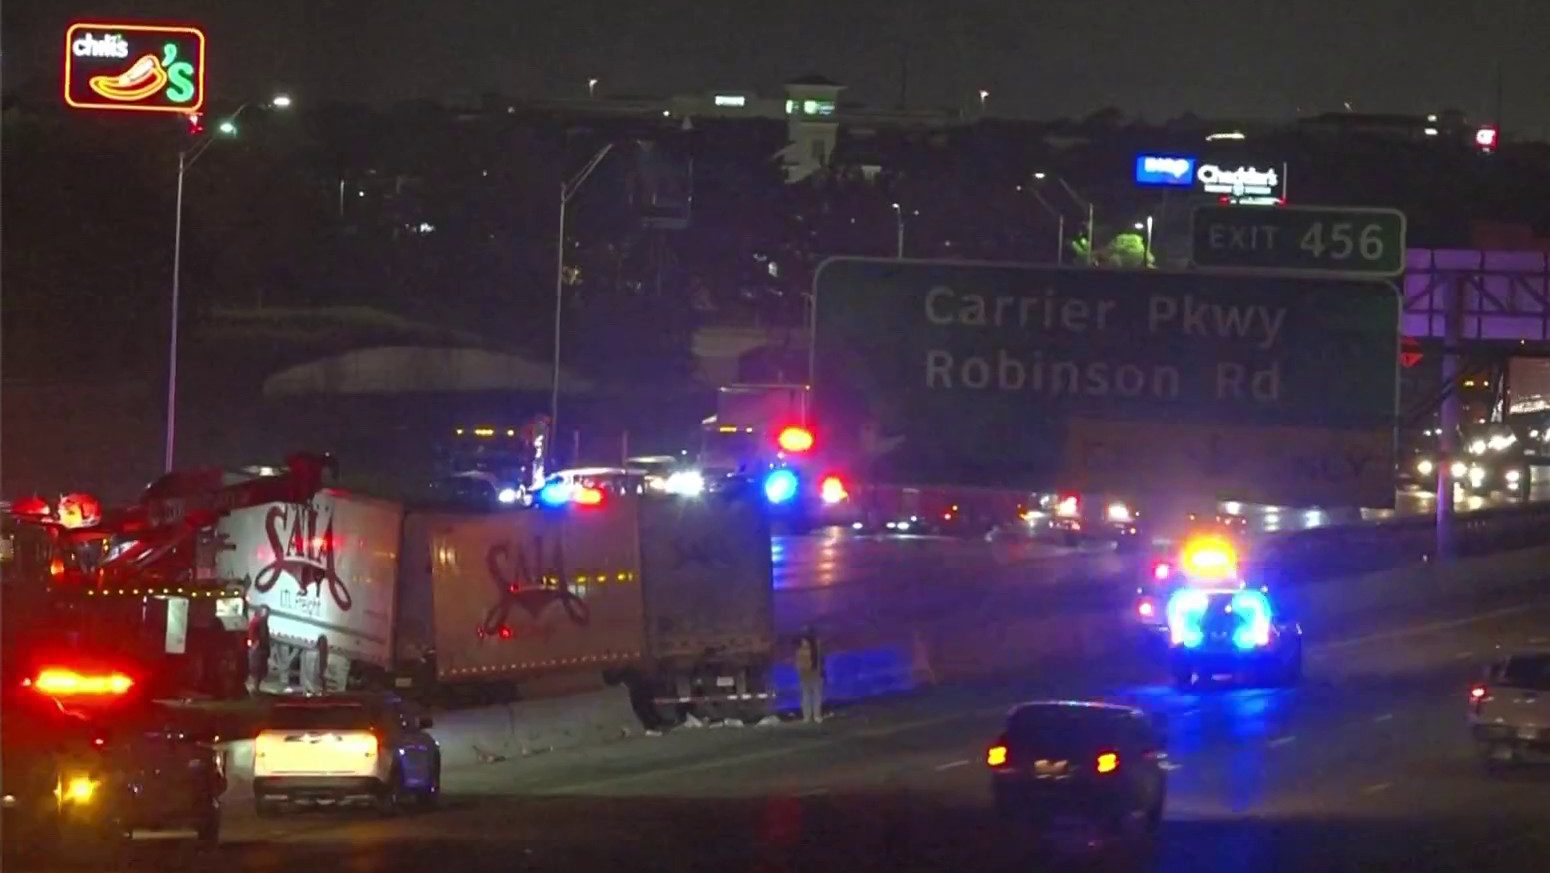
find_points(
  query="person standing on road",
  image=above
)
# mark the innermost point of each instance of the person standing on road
(259, 644)
(810, 673)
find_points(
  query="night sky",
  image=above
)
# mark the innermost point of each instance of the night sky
(1038, 58)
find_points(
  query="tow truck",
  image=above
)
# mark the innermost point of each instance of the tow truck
(144, 575)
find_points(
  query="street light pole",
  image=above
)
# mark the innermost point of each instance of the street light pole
(898, 217)
(172, 342)
(567, 191)
(1146, 260)
(186, 159)
(1060, 240)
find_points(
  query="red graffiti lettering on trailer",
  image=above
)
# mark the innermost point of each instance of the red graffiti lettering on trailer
(518, 581)
(304, 549)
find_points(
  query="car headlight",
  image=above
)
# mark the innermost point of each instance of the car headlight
(1514, 476)
(686, 483)
(1425, 467)
(1476, 475)
(507, 495)
(1459, 469)
(1119, 512)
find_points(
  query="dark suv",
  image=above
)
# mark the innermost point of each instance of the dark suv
(1092, 769)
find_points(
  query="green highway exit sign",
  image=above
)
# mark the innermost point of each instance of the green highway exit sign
(1356, 241)
(1270, 389)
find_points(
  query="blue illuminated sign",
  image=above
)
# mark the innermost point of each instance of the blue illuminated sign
(1173, 171)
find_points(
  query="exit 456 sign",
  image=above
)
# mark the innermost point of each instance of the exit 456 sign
(139, 67)
(1368, 242)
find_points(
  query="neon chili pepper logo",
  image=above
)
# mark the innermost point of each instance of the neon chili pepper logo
(136, 67)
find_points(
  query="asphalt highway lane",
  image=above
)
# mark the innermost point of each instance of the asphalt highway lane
(1365, 766)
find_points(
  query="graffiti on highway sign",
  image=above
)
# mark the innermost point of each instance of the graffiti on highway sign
(999, 375)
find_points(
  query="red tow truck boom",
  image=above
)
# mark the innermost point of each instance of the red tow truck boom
(144, 574)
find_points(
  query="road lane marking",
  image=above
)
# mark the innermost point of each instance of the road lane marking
(1387, 716)
(1278, 742)
(816, 792)
(968, 715)
(781, 752)
(1377, 787)
(961, 762)
(1430, 627)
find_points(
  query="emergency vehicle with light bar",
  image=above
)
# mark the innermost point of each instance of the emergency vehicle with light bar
(1219, 626)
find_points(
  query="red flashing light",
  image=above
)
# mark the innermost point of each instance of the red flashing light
(587, 496)
(1486, 138)
(56, 568)
(795, 439)
(64, 682)
(32, 506)
(505, 632)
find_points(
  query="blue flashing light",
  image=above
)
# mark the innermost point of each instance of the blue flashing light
(1186, 609)
(555, 494)
(1253, 611)
(780, 486)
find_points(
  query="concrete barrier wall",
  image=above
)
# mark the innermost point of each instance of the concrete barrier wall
(991, 640)
(981, 640)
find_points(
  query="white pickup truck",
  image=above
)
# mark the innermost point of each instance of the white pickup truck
(1509, 712)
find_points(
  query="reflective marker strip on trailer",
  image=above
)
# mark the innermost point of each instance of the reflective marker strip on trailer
(558, 662)
(760, 696)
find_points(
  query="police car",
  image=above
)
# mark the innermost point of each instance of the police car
(1217, 625)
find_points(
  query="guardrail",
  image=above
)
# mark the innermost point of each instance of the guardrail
(1345, 550)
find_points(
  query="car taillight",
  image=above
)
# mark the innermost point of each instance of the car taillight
(998, 755)
(1108, 762)
(832, 490)
(587, 496)
(1478, 696)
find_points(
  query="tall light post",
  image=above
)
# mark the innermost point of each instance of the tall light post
(592, 87)
(567, 191)
(898, 218)
(984, 95)
(1060, 219)
(1079, 200)
(186, 159)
